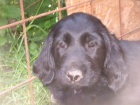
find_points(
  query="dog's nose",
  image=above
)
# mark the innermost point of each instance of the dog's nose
(74, 75)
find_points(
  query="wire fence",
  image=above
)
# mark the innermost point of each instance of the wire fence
(23, 22)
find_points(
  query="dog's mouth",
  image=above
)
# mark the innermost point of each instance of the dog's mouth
(74, 89)
(77, 91)
(75, 86)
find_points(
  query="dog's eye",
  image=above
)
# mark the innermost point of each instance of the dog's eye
(63, 45)
(91, 44)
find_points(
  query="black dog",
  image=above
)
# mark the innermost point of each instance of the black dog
(82, 64)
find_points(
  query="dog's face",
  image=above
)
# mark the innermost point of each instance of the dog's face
(79, 53)
(76, 53)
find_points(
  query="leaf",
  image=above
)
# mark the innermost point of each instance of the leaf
(3, 21)
(53, 20)
(36, 34)
(33, 46)
(3, 40)
(47, 24)
(34, 52)
(2, 2)
(10, 11)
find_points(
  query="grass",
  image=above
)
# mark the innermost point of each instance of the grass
(13, 70)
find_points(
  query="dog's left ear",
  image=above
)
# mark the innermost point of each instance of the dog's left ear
(114, 67)
(44, 66)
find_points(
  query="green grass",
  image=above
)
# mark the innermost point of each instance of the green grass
(13, 70)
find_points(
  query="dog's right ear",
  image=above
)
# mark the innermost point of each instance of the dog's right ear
(44, 65)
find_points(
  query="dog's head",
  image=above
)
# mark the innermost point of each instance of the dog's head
(78, 50)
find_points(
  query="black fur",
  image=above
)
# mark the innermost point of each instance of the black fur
(82, 42)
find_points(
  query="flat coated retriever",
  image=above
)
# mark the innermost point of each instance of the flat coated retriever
(83, 64)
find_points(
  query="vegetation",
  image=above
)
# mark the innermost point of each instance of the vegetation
(13, 69)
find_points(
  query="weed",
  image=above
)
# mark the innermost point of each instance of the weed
(13, 68)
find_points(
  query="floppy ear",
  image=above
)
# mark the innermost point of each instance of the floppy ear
(114, 66)
(44, 65)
